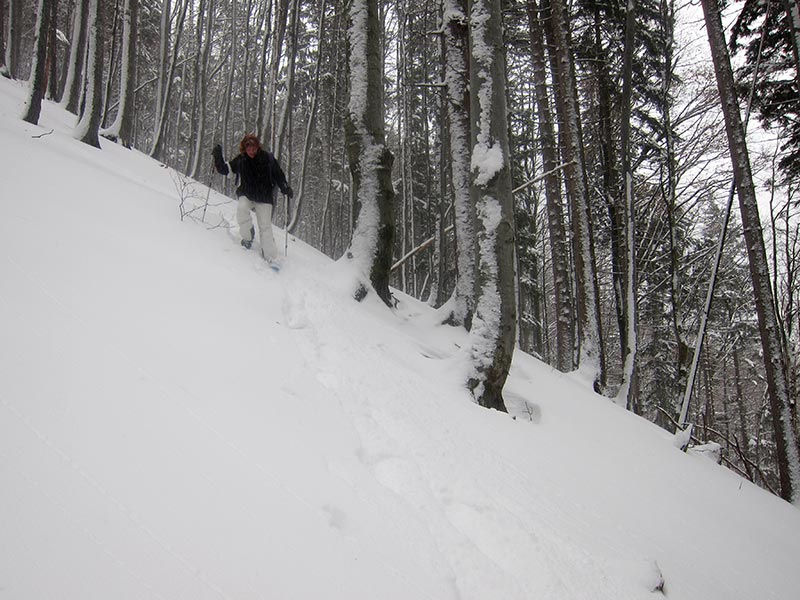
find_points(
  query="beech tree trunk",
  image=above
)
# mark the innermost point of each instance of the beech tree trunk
(370, 160)
(73, 85)
(456, 57)
(591, 357)
(122, 128)
(493, 333)
(559, 246)
(33, 105)
(88, 127)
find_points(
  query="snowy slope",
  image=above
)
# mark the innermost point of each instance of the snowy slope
(177, 421)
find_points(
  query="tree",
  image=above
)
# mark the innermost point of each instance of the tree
(591, 356)
(33, 105)
(370, 160)
(3, 68)
(774, 358)
(88, 126)
(559, 246)
(122, 127)
(73, 83)
(769, 33)
(630, 348)
(493, 333)
(14, 39)
(456, 78)
(201, 66)
(167, 73)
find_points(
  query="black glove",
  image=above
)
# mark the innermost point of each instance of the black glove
(289, 192)
(219, 162)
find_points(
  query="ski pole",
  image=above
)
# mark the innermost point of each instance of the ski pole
(286, 226)
(208, 192)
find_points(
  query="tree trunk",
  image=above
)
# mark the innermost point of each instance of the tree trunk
(157, 150)
(226, 101)
(205, 22)
(52, 53)
(111, 62)
(456, 57)
(88, 127)
(312, 120)
(288, 104)
(73, 85)
(122, 128)
(14, 41)
(493, 333)
(370, 160)
(792, 8)
(774, 360)
(591, 357)
(33, 105)
(559, 247)
(3, 68)
(281, 16)
(630, 346)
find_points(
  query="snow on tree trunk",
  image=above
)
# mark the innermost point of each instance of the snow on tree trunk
(73, 87)
(157, 150)
(122, 127)
(205, 21)
(559, 247)
(591, 358)
(626, 394)
(788, 457)
(456, 56)
(370, 251)
(14, 39)
(493, 333)
(33, 104)
(3, 69)
(310, 127)
(88, 127)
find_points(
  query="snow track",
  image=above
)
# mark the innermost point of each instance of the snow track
(415, 449)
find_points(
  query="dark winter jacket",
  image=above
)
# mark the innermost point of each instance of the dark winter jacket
(257, 176)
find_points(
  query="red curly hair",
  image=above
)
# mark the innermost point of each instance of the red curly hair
(248, 140)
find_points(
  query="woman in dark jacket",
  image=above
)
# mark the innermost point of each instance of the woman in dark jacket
(258, 172)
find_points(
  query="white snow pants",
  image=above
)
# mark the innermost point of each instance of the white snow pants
(264, 217)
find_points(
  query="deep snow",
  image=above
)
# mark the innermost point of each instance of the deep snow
(177, 421)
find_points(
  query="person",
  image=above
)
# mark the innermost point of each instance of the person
(258, 173)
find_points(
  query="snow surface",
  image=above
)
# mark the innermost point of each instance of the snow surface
(177, 421)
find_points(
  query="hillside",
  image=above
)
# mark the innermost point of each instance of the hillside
(177, 421)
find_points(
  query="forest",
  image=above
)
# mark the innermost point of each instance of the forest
(576, 180)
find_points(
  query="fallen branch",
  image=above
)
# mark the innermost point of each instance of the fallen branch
(36, 137)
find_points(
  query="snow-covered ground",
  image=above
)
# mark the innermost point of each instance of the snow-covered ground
(177, 421)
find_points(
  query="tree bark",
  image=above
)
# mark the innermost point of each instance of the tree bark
(73, 85)
(37, 84)
(88, 127)
(157, 149)
(456, 57)
(312, 120)
(591, 357)
(493, 333)
(559, 247)
(122, 128)
(14, 41)
(630, 344)
(788, 457)
(370, 160)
